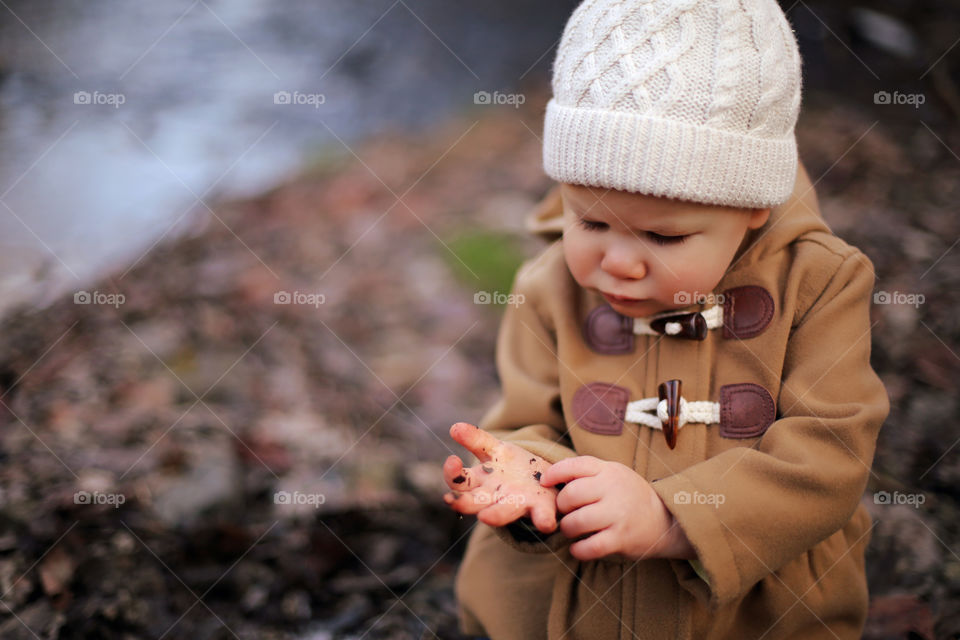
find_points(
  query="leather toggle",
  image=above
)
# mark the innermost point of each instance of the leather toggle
(690, 325)
(746, 312)
(606, 331)
(745, 410)
(670, 391)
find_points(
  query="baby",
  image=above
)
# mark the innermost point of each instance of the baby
(688, 412)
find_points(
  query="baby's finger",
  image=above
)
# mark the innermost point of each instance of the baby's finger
(583, 521)
(570, 469)
(544, 517)
(456, 476)
(498, 515)
(465, 503)
(578, 493)
(594, 547)
(476, 440)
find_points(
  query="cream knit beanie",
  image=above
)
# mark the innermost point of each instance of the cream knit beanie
(688, 99)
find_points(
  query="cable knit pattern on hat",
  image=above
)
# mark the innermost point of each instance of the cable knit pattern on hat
(689, 99)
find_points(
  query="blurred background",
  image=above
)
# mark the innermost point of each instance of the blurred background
(247, 255)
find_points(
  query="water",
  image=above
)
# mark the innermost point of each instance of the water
(121, 120)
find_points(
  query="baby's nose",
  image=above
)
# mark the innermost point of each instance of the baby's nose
(624, 264)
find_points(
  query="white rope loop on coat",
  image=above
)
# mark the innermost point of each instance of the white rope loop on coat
(652, 412)
(713, 316)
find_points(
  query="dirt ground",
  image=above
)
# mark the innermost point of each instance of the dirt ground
(247, 444)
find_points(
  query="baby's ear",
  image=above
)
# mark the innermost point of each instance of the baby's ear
(758, 218)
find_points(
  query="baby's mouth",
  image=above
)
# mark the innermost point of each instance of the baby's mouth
(620, 299)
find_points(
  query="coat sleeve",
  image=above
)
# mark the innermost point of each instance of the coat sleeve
(803, 480)
(529, 412)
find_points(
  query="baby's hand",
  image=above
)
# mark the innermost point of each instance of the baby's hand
(504, 486)
(617, 509)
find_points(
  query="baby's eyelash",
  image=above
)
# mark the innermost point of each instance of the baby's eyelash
(662, 240)
(593, 225)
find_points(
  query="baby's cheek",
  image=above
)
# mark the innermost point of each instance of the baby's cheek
(577, 254)
(694, 277)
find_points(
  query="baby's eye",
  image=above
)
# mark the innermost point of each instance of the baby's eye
(592, 225)
(661, 240)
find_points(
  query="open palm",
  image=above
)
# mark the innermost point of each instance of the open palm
(504, 486)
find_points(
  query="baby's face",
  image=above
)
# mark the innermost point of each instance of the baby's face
(641, 251)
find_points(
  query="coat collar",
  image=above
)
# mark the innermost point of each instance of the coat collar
(799, 215)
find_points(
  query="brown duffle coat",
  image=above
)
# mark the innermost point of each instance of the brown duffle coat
(769, 496)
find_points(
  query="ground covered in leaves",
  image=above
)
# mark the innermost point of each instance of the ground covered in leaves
(247, 445)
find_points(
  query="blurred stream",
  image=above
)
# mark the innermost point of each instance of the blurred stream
(120, 120)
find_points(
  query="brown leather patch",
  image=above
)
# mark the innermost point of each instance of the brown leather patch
(600, 407)
(746, 311)
(607, 332)
(746, 410)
